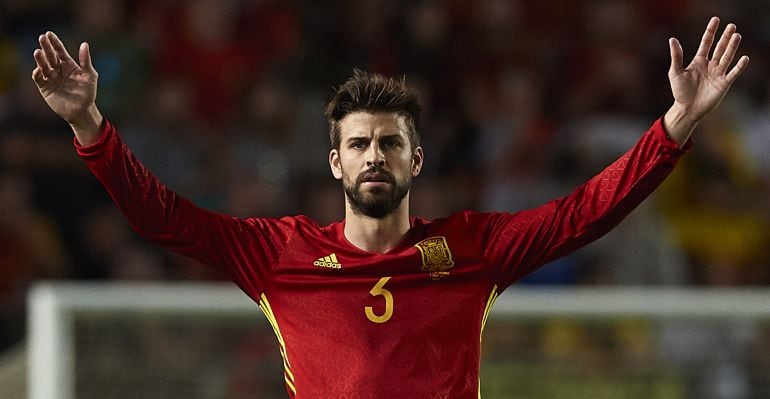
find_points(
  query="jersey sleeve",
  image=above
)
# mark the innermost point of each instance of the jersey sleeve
(518, 243)
(246, 248)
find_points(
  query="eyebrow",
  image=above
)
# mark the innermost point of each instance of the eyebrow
(367, 137)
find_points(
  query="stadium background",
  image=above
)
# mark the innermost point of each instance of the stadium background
(222, 99)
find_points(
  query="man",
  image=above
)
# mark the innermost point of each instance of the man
(383, 304)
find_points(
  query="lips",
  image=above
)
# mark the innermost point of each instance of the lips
(378, 176)
(375, 177)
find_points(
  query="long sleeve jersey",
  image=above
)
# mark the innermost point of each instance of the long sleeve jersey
(406, 323)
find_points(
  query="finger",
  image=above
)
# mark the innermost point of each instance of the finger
(732, 48)
(739, 67)
(49, 52)
(724, 40)
(42, 63)
(58, 46)
(708, 38)
(84, 53)
(37, 76)
(676, 56)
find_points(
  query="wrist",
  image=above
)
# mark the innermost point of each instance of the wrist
(679, 123)
(87, 127)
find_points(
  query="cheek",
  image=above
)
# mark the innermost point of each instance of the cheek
(344, 175)
(408, 164)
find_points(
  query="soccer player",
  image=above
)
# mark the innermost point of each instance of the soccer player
(383, 304)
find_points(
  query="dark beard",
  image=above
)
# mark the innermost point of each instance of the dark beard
(379, 203)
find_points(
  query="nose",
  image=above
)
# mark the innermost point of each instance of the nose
(374, 156)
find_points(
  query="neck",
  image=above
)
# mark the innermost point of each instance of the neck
(377, 235)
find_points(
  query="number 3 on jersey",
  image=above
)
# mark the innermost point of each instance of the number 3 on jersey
(378, 290)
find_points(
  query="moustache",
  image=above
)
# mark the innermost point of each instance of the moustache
(375, 173)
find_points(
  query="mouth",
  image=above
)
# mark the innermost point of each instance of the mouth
(376, 179)
(376, 175)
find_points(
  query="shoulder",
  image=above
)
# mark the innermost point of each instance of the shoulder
(462, 220)
(285, 223)
(465, 217)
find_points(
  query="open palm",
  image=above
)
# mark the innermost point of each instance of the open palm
(700, 87)
(68, 87)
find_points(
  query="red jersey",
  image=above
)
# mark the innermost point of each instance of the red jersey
(358, 324)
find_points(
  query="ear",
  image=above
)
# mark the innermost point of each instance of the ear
(334, 164)
(417, 159)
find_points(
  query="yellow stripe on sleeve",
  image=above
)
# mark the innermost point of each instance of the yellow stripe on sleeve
(290, 384)
(264, 304)
(268, 311)
(490, 301)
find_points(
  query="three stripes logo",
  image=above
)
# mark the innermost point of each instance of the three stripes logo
(329, 261)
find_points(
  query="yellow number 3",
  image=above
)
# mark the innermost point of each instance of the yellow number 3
(378, 290)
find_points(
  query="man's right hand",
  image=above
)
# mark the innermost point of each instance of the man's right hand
(68, 87)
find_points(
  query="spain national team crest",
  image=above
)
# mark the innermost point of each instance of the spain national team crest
(436, 257)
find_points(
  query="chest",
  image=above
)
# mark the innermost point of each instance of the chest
(436, 279)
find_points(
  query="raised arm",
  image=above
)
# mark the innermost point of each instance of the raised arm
(700, 87)
(68, 87)
(526, 240)
(246, 248)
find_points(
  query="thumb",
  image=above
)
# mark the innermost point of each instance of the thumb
(84, 54)
(676, 57)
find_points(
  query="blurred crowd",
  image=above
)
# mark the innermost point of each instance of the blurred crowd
(523, 100)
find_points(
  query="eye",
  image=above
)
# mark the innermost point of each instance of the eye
(358, 144)
(391, 142)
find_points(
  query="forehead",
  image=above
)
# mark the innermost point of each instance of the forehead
(364, 123)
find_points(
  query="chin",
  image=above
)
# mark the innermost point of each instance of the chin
(376, 193)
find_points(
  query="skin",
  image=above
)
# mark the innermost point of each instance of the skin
(69, 88)
(368, 140)
(701, 86)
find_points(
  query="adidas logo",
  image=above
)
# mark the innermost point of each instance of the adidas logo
(328, 261)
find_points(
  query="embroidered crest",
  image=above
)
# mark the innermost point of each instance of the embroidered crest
(436, 256)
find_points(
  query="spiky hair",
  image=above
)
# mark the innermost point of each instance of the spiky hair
(372, 92)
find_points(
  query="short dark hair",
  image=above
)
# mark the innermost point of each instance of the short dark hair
(372, 92)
